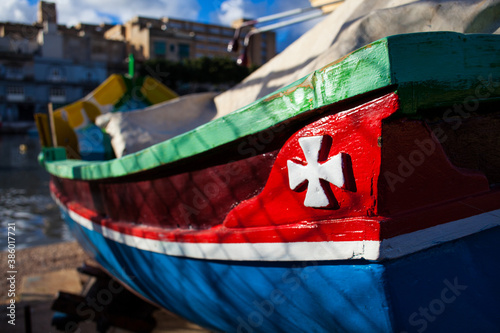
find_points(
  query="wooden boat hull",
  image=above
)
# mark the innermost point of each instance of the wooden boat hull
(340, 203)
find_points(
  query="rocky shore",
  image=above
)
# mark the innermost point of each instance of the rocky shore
(42, 259)
(44, 270)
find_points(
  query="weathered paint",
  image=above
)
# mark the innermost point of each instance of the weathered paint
(432, 231)
(404, 60)
(416, 172)
(353, 132)
(449, 287)
(207, 204)
(372, 71)
(187, 199)
(370, 238)
(442, 68)
(231, 296)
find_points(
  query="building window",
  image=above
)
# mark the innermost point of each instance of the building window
(198, 28)
(57, 95)
(227, 32)
(14, 73)
(176, 25)
(160, 49)
(172, 48)
(183, 51)
(15, 94)
(215, 40)
(215, 31)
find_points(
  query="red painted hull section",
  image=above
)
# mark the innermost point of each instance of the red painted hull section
(190, 199)
(355, 132)
(399, 181)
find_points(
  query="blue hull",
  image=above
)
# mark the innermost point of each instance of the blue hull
(449, 288)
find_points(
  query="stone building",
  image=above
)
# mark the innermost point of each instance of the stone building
(45, 62)
(173, 39)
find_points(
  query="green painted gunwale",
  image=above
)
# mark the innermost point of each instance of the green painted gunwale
(427, 69)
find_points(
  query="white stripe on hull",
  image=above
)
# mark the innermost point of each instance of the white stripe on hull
(303, 251)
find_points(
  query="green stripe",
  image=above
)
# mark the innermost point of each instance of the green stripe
(429, 68)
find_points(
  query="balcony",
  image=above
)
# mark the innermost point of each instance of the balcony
(15, 94)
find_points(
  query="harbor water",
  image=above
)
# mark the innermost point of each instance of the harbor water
(24, 195)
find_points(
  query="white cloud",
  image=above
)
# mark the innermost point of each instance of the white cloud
(230, 10)
(70, 12)
(17, 11)
(96, 11)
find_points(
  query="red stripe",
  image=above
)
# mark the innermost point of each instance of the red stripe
(349, 229)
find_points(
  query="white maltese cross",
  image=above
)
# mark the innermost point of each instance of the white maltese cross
(313, 172)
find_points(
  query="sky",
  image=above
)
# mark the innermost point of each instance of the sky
(71, 12)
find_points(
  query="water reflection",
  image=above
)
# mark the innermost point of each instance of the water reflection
(24, 195)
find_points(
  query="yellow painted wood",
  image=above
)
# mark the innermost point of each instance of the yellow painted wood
(42, 125)
(66, 136)
(83, 112)
(156, 92)
(110, 91)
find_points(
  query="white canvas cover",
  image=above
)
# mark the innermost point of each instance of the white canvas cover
(135, 130)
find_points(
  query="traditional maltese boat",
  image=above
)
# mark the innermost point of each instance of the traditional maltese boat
(361, 198)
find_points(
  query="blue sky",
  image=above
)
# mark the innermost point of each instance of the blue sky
(222, 12)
